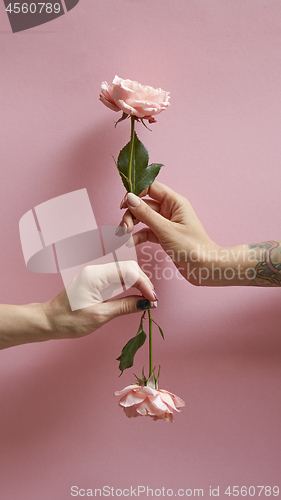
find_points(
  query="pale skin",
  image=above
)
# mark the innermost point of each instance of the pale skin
(172, 223)
(54, 319)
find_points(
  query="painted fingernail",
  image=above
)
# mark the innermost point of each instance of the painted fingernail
(154, 304)
(133, 200)
(122, 229)
(122, 202)
(143, 304)
(130, 242)
(155, 295)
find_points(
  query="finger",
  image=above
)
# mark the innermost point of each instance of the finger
(96, 283)
(124, 203)
(144, 213)
(128, 272)
(133, 276)
(157, 191)
(126, 305)
(128, 218)
(142, 236)
(160, 192)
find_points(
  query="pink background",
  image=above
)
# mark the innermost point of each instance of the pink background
(220, 143)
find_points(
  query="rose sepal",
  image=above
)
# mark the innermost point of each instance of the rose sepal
(151, 381)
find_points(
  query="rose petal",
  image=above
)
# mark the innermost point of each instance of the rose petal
(121, 93)
(160, 97)
(130, 411)
(179, 403)
(148, 111)
(109, 104)
(169, 417)
(132, 398)
(126, 108)
(149, 391)
(135, 99)
(138, 89)
(142, 409)
(126, 390)
(167, 399)
(106, 90)
(147, 408)
(158, 403)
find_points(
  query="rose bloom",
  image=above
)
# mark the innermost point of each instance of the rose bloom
(134, 99)
(139, 400)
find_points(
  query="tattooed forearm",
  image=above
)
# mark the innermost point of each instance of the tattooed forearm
(268, 269)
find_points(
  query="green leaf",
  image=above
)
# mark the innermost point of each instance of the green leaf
(147, 177)
(126, 357)
(160, 329)
(142, 174)
(124, 178)
(122, 165)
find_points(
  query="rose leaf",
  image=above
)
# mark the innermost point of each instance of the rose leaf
(127, 355)
(146, 177)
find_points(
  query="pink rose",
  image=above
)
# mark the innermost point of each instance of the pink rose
(134, 99)
(137, 400)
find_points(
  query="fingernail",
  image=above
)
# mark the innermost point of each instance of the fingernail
(154, 304)
(143, 304)
(130, 242)
(133, 200)
(122, 202)
(155, 295)
(122, 229)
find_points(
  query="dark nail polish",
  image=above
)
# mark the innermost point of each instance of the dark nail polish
(143, 304)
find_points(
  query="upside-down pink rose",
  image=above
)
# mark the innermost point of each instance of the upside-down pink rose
(139, 400)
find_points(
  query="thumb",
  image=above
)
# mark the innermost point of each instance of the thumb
(144, 213)
(125, 305)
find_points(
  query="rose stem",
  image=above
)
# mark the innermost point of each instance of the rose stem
(150, 344)
(131, 188)
(131, 153)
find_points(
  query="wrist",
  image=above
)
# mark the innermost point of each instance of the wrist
(199, 264)
(63, 323)
(54, 317)
(23, 324)
(232, 266)
(211, 265)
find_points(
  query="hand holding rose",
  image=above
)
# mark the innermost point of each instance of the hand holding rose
(172, 222)
(56, 320)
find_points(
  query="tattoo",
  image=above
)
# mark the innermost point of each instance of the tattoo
(268, 270)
